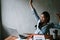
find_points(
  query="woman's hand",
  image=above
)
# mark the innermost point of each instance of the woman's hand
(31, 1)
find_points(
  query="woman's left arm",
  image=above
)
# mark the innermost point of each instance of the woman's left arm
(52, 25)
(57, 26)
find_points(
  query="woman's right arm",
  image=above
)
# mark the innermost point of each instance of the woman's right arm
(34, 11)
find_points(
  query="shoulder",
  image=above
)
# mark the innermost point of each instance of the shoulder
(50, 25)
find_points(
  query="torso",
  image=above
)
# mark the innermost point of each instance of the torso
(42, 29)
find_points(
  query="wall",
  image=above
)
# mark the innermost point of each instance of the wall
(17, 14)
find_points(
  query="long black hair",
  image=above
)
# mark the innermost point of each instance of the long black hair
(47, 15)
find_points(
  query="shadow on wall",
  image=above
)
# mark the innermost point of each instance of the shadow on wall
(3, 33)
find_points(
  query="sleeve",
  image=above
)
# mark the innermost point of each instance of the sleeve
(36, 32)
(37, 29)
(35, 14)
(52, 25)
(57, 26)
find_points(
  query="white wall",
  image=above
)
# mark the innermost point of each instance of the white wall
(17, 14)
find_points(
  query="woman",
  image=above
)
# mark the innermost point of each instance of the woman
(43, 24)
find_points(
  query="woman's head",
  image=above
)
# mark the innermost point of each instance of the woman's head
(45, 17)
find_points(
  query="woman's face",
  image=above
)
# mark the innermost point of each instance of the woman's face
(43, 19)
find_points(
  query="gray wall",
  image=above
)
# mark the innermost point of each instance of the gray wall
(17, 14)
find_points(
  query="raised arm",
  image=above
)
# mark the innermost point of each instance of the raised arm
(33, 10)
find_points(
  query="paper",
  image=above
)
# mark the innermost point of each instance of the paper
(38, 37)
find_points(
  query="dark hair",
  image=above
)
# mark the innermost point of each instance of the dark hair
(47, 15)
